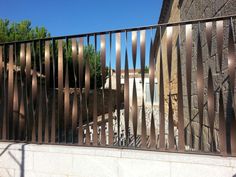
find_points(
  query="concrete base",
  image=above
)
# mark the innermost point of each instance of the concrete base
(28, 160)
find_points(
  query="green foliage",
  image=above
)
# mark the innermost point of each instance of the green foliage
(12, 31)
(93, 57)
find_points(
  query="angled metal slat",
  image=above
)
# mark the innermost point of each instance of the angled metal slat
(209, 36)
(34, 91)
(47, 86)
(152, 82)
(162, 106)
(222, 130)
(134, 112)
(1, 89)
(75, 98)
(53, 120)
(40, 99)
(28, 90)
(126, 95)
(103, 64)
(60, 88)
(171, 126)
(22, 113)
(118, 90)
(142, 61)
(134, 48)
(181, 140)
(87, 89)
(169, 50)
(66, 97)
(219, 39)
(200, 85)
(233, 135)
(28, 67)
(10, 91)
(134, 97)
(95, 131)
(188, 29)
(4, 122)
(170, 112)
(110, 103)
(80, 72)
(211, 107)
(15, 101)
(231, 57)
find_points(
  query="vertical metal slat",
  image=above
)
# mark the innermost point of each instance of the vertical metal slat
(142, 61)
(200, 86)
(219, 39)
(188, 29)
(118, 70)
(181, 141)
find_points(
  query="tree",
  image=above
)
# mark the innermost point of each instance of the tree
(93, 56)
(13, 31)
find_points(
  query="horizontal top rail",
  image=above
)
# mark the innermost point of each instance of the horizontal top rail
(126, 29)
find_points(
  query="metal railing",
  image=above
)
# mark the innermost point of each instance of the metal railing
(116, 88)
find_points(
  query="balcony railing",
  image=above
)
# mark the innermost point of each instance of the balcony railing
(166, 87)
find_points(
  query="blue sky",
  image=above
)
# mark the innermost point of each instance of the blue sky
(66, 17)
(62, 17)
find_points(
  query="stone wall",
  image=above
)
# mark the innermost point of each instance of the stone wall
(172, 15)
(31, 160)
(198, 9)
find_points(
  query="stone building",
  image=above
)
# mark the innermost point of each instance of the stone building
(182, 10)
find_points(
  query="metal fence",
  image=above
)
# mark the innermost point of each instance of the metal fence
(108, 88)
